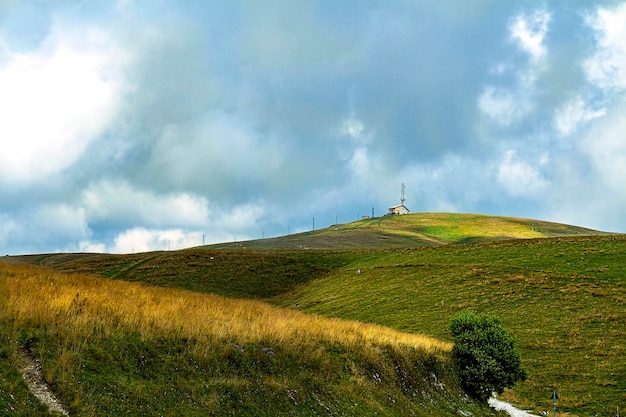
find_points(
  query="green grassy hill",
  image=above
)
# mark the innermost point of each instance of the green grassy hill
(563, 298)
(414, 230)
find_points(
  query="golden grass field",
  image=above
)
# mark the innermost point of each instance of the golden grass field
(94, 305)
(111, 347)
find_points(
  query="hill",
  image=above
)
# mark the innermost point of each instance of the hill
(415, 230)
(562, 297)
(110, 348)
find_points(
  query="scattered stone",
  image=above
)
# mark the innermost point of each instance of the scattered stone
(31, 371)
(268, 351)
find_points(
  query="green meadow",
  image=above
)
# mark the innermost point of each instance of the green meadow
(340, 310)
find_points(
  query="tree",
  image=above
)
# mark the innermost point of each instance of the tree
(484, 355)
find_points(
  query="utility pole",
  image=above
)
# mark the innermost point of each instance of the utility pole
(202, 239)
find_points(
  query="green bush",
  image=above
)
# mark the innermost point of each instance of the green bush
(484, 355)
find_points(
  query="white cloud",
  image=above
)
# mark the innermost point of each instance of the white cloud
(352, 127)
(508, 105)
(599, 167)
(454, 183)
(221, 225)
(61, 219)
(149, 221)
(54, 102)
(88, 246)
(591, 190)
(144, 240)
(498, 69)
(214, 151)
(243, 218)
(605, 145)
(44, 226)
(119, 202)
(607, 67)
(572, 114)
(360, 163)
(529, 32)
(240, 223)
(502, 105)
(289, 36)
(519, 178)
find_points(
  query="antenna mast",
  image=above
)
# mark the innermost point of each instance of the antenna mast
(402, 199)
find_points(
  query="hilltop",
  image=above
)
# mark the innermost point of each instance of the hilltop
(415, 230)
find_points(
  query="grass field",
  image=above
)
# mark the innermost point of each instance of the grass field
(563, 298)
(415, 230)
(118, 348)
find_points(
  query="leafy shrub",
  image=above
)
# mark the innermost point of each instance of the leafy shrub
(484, 355)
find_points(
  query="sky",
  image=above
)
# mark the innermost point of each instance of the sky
(137, 125)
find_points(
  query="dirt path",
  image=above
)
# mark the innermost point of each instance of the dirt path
(33, 376)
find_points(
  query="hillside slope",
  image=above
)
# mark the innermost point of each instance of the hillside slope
(116, 348)
(562, 297)
(415, 230)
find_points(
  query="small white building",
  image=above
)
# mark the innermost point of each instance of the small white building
(399, 209)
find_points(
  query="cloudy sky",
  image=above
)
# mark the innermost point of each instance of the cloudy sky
(135, 125)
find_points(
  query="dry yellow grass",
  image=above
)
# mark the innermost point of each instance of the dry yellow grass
(99, 306)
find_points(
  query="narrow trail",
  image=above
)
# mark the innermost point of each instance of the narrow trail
(33, 376)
